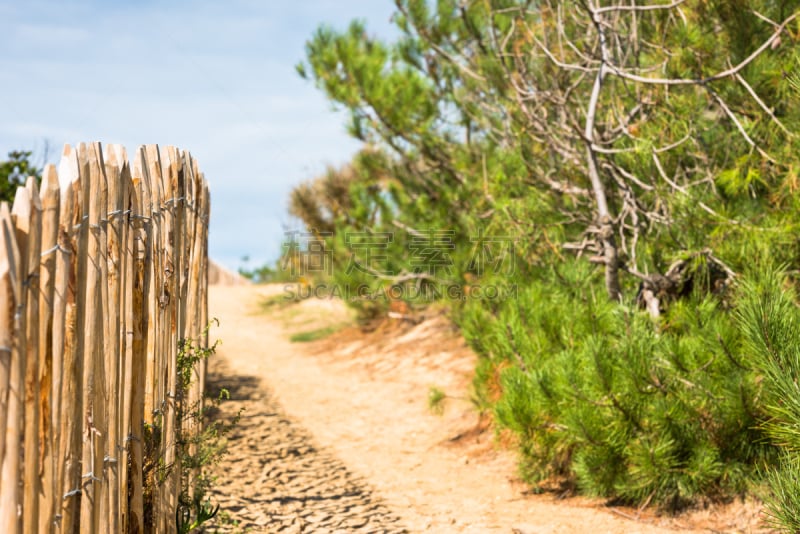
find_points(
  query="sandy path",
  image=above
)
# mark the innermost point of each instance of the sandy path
(275, 477)
(371, 416)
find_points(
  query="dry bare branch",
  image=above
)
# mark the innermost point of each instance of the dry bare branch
(762, 105)
(739, 126)
(608, 9)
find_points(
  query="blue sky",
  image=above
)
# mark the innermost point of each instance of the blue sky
(216, 78)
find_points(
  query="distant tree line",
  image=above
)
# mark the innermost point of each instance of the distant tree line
(15, 171)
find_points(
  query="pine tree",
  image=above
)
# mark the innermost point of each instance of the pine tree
(640, 157)
(485, 102)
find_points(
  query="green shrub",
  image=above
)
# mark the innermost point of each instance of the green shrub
(598, 394)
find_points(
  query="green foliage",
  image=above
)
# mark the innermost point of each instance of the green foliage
(270, 273)
(595, 394)
(453, 111)
(199, 445)
(262, 274)
(436, 400)
(476, 122)
(312, 335)
(783, 502)
(279, 301)
(14, 172)
(770, 321)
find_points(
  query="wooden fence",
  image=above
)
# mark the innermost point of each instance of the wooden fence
(103, 273)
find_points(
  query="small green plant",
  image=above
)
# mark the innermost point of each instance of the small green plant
(199, 448)
(436, 400)
(279, 301)
(312, 335)
(199, 444)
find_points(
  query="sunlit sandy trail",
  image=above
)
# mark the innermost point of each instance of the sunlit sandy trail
(367, 410)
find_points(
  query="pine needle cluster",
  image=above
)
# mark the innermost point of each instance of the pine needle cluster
(770, 321)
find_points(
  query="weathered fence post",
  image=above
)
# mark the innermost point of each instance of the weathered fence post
(111, 347)
(13, 352)
(27, 213)
(126, 377)
(63, 353)
(143, 321)
(49, 196)
(94, 430)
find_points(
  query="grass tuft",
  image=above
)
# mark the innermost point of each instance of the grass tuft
(312, 335)
(436, 398)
